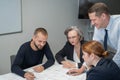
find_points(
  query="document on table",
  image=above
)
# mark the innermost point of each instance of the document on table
(11, 76)
(57, 72)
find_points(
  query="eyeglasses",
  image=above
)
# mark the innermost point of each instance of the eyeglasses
(73, 37)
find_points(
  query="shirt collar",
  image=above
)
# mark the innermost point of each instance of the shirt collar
(110, 23)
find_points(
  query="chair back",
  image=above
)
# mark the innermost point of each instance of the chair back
(12, 58)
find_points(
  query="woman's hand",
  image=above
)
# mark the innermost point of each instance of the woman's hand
(75, 72)
(68, 64)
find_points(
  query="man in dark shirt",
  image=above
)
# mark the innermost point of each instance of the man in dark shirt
(31, 53)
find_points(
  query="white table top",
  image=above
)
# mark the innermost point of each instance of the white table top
(55, 72)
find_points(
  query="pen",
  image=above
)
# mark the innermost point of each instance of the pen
(71, 73)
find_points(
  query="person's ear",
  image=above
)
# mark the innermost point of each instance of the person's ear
(92, 55)
(33, 37)
(103, 15)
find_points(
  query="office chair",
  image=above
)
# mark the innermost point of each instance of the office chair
(12, 58)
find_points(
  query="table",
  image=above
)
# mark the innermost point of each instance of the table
(55, 72)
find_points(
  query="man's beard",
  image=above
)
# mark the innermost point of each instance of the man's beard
(37, 46)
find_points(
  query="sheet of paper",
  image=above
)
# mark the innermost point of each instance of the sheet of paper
(55, 72)
(11, 76)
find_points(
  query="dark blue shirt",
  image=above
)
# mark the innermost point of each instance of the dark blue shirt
(104, 70)
(27, 57)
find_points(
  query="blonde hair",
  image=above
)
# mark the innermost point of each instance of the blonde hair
(94, 47)
(42, 30)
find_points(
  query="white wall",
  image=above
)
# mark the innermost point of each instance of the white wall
(54, 15)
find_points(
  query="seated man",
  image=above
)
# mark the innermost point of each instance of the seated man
(31, 53)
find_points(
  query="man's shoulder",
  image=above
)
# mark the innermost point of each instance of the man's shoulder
(115, 18)
(26, 44)
(46, 46)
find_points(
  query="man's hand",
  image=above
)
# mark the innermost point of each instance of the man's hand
(29, 76)
(38, 68)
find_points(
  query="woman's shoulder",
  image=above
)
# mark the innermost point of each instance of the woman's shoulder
(106, 66)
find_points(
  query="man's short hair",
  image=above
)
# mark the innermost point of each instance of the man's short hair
(42, 30)
(99, 8)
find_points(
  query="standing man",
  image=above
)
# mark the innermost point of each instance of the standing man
(31, 53)
(106, 25)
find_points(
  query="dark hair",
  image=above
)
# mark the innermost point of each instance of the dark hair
(94, 47)
(42, 30)
(99, 8)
